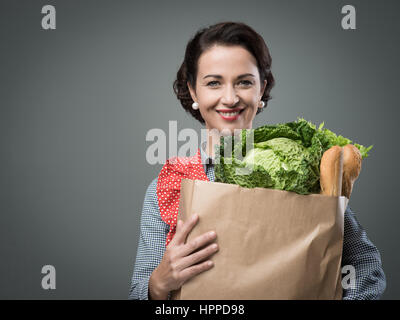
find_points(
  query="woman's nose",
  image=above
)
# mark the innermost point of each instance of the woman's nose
(229, 96)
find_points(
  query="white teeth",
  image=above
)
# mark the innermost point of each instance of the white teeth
(229, 114)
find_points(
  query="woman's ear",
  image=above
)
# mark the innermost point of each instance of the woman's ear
(192, 92)
(263, 88)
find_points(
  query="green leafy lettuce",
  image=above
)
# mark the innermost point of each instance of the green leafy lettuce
(283, 156)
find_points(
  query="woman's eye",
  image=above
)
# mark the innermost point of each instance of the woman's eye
(211, 83)
(246, 82)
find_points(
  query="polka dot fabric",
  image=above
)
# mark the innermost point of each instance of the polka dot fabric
(169, 186)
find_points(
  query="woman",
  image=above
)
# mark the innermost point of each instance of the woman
(224, 82)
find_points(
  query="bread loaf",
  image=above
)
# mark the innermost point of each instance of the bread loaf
(339, 168)
(351, 168)
(331, 171)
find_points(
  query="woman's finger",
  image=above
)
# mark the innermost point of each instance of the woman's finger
(192, 271)
(197, 243)
(184, 228)
(198, 256)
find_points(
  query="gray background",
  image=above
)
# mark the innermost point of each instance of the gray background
(76, 104)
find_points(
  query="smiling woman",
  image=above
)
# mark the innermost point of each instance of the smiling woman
(224, 82)
(232, 101)
(208, 60)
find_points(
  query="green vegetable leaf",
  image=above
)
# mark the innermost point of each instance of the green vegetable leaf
(284, 156)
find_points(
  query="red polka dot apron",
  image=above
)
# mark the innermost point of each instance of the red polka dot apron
(169, 186)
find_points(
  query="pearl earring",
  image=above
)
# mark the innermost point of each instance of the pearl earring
(195, 105)
(262, 104)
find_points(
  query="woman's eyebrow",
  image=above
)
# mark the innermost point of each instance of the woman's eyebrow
(219, 77)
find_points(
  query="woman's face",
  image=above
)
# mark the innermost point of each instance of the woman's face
(228, 88)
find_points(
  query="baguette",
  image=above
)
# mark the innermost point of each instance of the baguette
(331, 171)
(351, 168)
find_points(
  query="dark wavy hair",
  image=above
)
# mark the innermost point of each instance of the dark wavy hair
(228, 34)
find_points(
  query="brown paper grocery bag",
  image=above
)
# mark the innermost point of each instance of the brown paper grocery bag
(273, 244)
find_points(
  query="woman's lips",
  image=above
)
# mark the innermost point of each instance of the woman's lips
(230, 114)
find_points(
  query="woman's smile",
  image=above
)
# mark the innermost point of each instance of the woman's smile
(230, 114)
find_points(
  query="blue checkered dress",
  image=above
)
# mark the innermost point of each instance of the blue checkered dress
(358, 250)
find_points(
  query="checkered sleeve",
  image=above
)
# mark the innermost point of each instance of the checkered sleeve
(362, 254)
(151, 247)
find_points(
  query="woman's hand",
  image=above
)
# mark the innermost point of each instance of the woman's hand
(179, 263)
